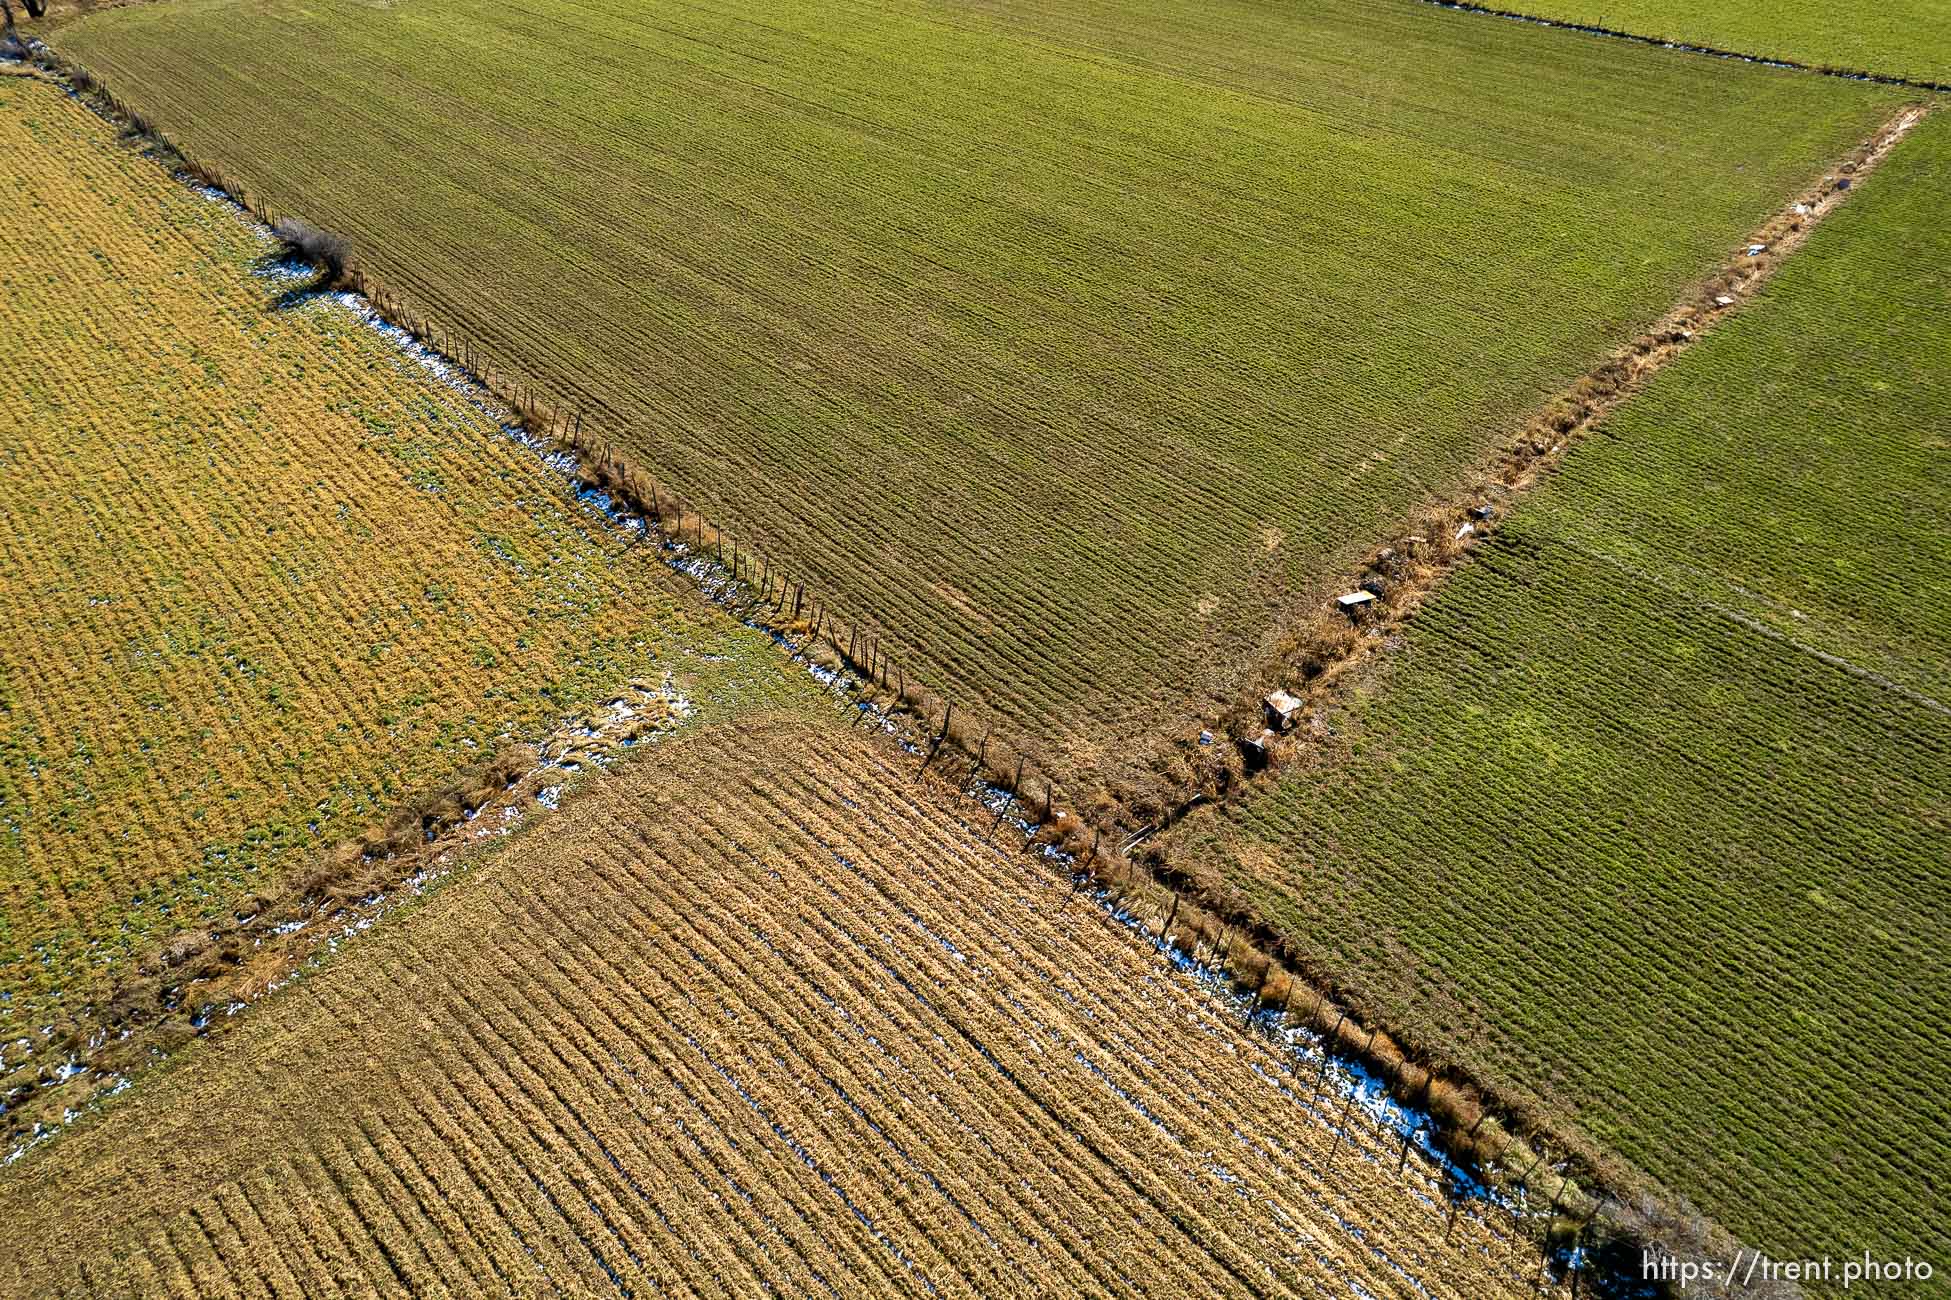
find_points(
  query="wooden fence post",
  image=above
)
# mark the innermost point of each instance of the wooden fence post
(1341, 1129)
(1333, 1037)
(1578, 1243)
(1544, 1245)
(1165, 929)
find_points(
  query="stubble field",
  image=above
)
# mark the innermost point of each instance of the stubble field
(763, 1014)
(265, 577)
(1648, 821)
(1076, 395)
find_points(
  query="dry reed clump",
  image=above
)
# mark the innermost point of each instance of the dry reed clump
(1066, 832)
(329, 252)
(182, 948)
(1454, 1106)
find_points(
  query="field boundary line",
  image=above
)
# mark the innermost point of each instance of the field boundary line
(1399, 574)
(1690, 47)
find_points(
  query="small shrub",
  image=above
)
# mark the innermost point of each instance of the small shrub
(328, 252)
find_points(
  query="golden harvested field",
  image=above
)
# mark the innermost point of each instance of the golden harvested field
(760, 1011)
(264, 575)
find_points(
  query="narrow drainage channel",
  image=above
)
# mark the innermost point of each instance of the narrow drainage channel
(1685, 47)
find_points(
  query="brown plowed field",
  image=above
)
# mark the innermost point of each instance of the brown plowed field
(762, 1013)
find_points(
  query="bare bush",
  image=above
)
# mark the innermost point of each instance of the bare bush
(10, 46)
(328, 252)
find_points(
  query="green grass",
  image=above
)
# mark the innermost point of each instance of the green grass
(1905, 38)
(1073, 345)
(1649, 819)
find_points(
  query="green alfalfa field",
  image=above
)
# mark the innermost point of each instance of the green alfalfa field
(1648, 821)
(1075, 397)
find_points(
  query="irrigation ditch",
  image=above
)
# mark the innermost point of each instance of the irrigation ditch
(1688, 47)
(1588, 1212)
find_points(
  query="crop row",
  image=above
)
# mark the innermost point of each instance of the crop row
(1793, 471)
(763, 1015)
(1072, 391)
